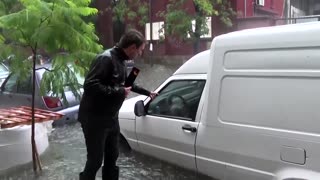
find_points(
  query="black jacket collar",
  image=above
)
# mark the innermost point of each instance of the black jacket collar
(121, 55)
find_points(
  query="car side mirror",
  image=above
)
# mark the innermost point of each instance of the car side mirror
(139, 109)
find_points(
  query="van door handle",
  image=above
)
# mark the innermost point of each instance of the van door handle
(188, 128)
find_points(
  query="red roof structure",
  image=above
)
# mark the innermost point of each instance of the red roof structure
(16, 116)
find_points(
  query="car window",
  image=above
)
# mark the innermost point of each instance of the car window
(80, 78)
(16, 85)
(3, 69)
(24, 86)
(179, 99)
(11, 84)
(3, 73)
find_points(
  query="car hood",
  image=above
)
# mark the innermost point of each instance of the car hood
(127, 108)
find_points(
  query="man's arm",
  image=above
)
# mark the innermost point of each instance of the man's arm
(140, 90)
(137, 89)
(101, 70)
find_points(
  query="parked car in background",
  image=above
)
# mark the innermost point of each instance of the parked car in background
(15, 92)
(4, 72)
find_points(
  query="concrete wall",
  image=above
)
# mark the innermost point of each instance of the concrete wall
(165, 60)
(254, 22)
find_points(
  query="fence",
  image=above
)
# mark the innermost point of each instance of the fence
(296, 20)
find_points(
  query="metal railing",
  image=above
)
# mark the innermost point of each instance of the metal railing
(296, 20)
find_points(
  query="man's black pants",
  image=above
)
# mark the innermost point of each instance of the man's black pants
(102, 143)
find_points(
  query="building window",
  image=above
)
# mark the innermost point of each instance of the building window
(209, 34)
(157, 31)
(208, 24)
(260, 2)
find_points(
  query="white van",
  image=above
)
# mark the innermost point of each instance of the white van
(247, 109)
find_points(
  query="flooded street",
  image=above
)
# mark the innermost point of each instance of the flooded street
(65, 158)
(66, 154)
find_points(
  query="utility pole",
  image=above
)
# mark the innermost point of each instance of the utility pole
(151, 32)
(245, 8)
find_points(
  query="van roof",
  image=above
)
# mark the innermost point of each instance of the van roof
(293, 35)
(284, 36)
(198, 64)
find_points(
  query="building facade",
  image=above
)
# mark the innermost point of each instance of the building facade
(258, 13)
(249, 14)
(300, 11)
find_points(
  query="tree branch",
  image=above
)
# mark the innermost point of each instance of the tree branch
(26, 38)
(46, 18)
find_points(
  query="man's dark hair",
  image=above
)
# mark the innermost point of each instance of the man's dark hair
(132, 36)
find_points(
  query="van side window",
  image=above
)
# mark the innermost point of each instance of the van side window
(179, 99)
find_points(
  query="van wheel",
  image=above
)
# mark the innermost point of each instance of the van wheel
(124, 145)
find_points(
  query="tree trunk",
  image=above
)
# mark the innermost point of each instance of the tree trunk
(35, 155)
(196, 46)
(197, 31)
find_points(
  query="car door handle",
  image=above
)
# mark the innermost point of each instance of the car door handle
(188, 128)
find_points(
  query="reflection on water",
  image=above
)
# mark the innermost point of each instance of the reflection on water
(66, 154)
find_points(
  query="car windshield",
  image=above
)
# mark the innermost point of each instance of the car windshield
(3, 69)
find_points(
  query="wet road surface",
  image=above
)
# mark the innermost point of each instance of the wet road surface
(66, 154)
(65, 158)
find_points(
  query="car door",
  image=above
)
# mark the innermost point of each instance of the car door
(169, 129)
(16, 92)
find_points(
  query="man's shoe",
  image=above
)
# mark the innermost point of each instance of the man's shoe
(110, 173)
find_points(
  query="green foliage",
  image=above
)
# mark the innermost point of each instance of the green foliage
(55, 27)
(178, 20)
(129, 10)
(9, 6)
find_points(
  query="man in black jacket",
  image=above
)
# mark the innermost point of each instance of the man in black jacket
(104, 93)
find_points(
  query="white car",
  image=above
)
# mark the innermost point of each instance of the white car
(247, 109)
(166, 131)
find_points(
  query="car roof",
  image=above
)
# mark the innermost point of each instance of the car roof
(43, 66)
(198, 64)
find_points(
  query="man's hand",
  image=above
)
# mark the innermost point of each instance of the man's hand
(152, 95)
(127, 90)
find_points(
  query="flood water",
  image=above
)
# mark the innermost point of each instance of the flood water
(66, 154)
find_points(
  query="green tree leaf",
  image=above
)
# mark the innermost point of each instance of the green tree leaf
(131, 11)
(178, 20)
(57, 28)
